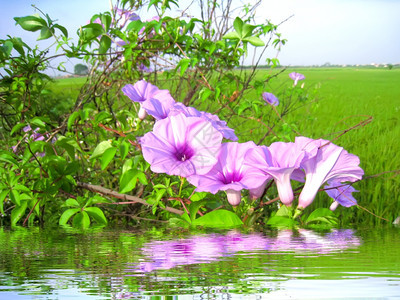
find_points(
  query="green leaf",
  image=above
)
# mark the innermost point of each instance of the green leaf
(194, 208)
(105, 44)
(62, 29)
(283, 211)
(101, 116)
(8, 158)
(31, 23)
(3, 196)
(280, 221)
(247, 30)
(15, 198)
(219, 219)
(124, 149)
(100, 149)
(17, 128)
(72, 203)
(18, 212)
(321, 214)
(238, 25)
(106, 20)
(255, 41)
(67, 215)
(128, 181)
(142, 178)
(20, 187)
(45, 33)
(183, 64)
(198, 196)
(232, 36)
(72, 118)
(81, 220)
(97, 214)
(91, 31)
(107, 157)
(135, 25)
(38, 122)
(6, 49)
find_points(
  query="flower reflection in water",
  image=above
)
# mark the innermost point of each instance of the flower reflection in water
(162, 255)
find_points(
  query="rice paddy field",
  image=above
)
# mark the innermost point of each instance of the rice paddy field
(346, 97)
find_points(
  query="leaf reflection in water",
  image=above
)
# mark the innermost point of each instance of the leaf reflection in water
(162, 255)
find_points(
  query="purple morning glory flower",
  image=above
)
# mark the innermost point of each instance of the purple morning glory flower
(341, 194)
(126, 15)
(270, 99)
(181, 146)
(278, 161)
(230, 173)
(153, 101)
(325, 161)
(221, 126)
(296, 77)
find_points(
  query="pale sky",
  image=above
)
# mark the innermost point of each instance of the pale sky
(320, 31)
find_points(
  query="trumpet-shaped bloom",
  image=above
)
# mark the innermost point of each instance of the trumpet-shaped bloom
(325, 161)
(296, 77)
(230, 173)
(153, 101)
(181, 146)
(221, 126)
(278, 161)
(270, 99)
(341, 194)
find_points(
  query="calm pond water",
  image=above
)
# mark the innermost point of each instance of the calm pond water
(163, 264)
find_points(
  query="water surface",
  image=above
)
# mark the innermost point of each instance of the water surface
(145, 264)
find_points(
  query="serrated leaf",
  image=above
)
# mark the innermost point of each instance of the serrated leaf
(219, 219)
(81, 220)
(18, 212)
(97, 214)
(67, 215)
(100, 149)
(128, 181)
(107, 157)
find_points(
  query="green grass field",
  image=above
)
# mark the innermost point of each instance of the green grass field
(346, 97)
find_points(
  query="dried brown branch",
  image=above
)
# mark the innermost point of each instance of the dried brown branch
(128, 198)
